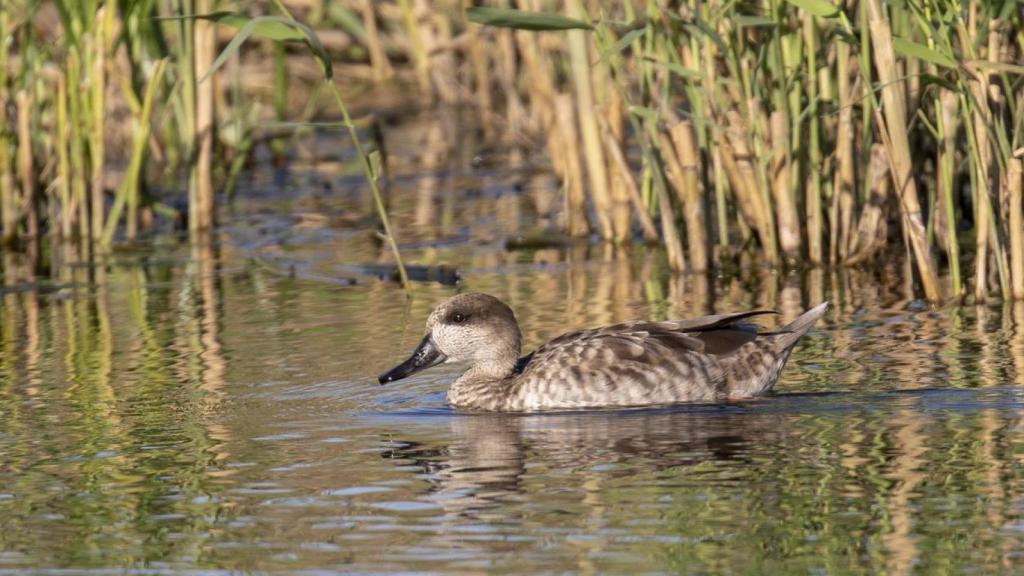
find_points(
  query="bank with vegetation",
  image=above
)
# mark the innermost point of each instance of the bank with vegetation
(805, 131)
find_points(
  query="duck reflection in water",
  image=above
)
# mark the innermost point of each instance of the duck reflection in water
(488, 459)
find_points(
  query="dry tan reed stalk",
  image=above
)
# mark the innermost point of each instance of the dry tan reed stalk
(982, 167)
(482, 80)
(592, 148)
(785, 206)
(815, 227)
(8, 200)
(1015, 188)
(978, 135)
(714, 134)
(539, 76)
(625, 176)
(738, 185)
(507, 73)
(379, 61)
(418, 53)
(949, 124)
(612, 126)
(743, 178)
(205, 47)
(844, 183)
(675, 175)
(898, 143)
(97, 48)
(997, 30)
(65, 213)
(76, 141)
(872, 228)
(945, 157)
(7, 224)
(26, 174)
(756, 128)
(995, 94)
(571, 170)
(438, 33)
(684, 138)
(673, 244)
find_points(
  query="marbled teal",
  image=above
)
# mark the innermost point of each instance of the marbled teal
(708, 359)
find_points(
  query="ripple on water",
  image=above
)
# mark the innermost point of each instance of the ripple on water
(172, 421)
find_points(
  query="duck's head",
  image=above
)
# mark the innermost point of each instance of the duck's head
(474, 328)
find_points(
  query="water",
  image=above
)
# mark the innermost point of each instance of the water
(216, 410)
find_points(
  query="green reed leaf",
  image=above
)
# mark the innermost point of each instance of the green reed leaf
(619, 46)
(685, 73)
(819, 8)
(909, 49)
(754, 21)
(520, 20)
(272, 27)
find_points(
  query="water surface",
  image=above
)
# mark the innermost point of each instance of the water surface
(216, 410)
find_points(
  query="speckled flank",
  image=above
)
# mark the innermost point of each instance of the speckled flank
(707, 359)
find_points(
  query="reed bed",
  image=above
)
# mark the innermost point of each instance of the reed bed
(803, 131)
(828, 133)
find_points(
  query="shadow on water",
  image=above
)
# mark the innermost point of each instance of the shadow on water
(216, 409)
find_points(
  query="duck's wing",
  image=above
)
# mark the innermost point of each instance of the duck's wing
(716, 320)
(638, 362)
(719, 334)
(702, 359)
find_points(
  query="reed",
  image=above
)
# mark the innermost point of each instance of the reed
(593, 154)
(759, 79)
(625, 175)
(128, 194)
(688, 188)
(63, 161)
(8, 221)
(26, 173)
(204, 47)
(565, 146)
(799, 131)
(1015, 197)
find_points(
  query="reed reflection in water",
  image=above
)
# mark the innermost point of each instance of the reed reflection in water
(816, 482)
(191, 409)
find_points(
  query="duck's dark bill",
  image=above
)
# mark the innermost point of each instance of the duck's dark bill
(425, 356)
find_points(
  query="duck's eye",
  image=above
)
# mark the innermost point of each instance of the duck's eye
(458, 318)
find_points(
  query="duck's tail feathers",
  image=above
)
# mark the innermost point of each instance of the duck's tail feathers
(752, 377)
(793, 331)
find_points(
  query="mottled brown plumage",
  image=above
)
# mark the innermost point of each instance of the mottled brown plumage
(708, 359)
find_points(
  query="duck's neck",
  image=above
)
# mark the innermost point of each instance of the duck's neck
(482, 387)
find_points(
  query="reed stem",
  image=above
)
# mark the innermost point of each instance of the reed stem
(128, 194)
(8, 219)
(416, 46)
(625, 176)
(815, 228)
(845, 184)
(26, 172)
(946, 121)
(898, 147)
(592, 149)
(1015, 191)
(66, 214)
(694, 214)
(572, 170)
(205, 47)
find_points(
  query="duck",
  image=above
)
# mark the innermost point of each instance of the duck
(711, 359)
